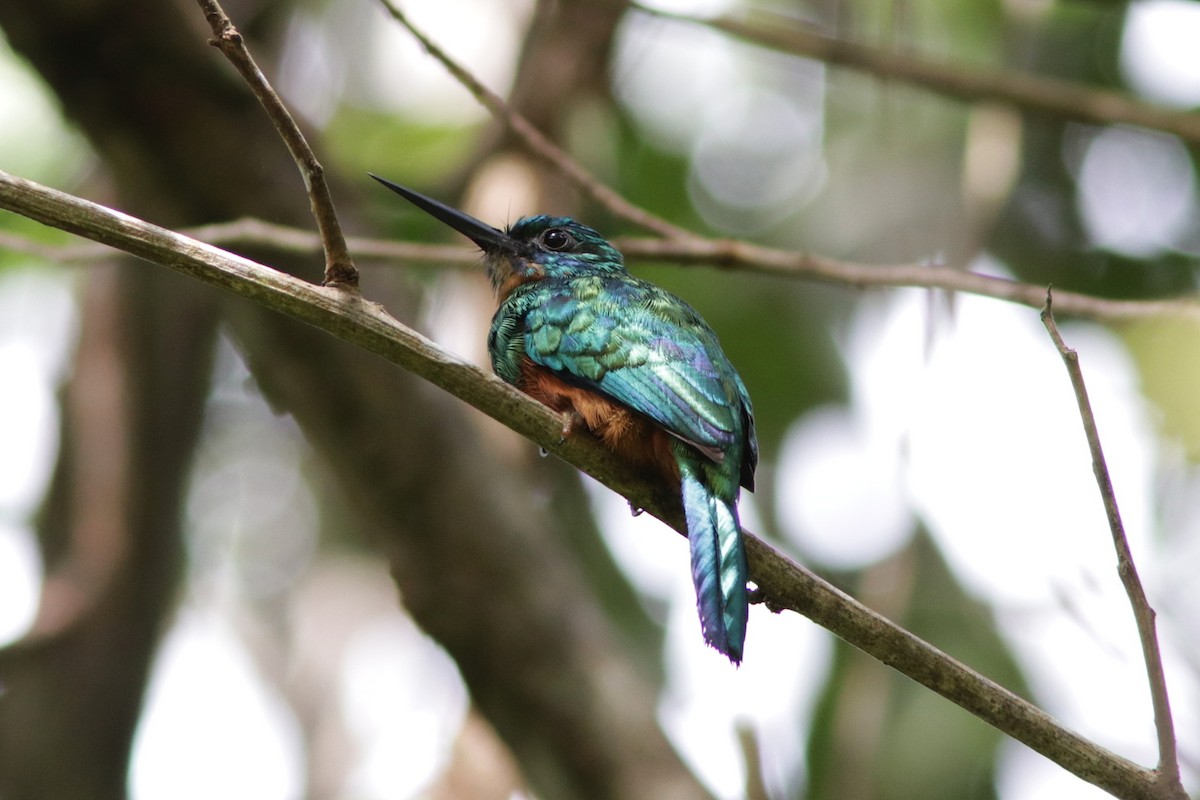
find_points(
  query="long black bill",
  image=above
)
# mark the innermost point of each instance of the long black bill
(482, 234)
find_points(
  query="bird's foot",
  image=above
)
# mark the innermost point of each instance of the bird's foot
(757, 596)
(636, 510)
(571, 420)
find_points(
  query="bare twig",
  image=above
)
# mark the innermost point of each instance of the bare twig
(251, 231)
(726, 254)
(339, 267)
(1060, 98)
(75, 251)
(731, 253)
(537, 142)
(784, 584)
(1168, 777)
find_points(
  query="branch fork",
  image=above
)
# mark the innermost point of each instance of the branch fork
(340, 271)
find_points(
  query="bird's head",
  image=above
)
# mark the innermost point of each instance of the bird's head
(530, 249)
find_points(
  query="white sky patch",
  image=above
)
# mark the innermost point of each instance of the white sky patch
(1158, 51)
(1085, 667)
(28, 427)
(405, 703)
(760, 154)
(1136, 190)
(999, 466)
(773, 692)
(20, 577)
(840, 496)
(697, 8)
(404, 79)
(239, 740)
(1026, 775)
(311, 73)
(37, 325)
(671, 75)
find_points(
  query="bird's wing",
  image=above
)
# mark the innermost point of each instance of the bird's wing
(646, 349)
(750, 451)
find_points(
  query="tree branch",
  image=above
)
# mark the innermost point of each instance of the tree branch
(1060, 98)
(783, 583)
(727, 254)
(339, 266)
(255, 232)
(537, 142)
(742, 254)
(1168, 755)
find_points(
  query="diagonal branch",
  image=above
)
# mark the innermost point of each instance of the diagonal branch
(537, 142)
(1060, 98)
(783, 583)
(1168, 754)
(339, 266)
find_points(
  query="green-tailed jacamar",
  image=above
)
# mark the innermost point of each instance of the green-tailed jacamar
(638, 368)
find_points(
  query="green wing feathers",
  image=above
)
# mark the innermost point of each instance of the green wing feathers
(648, 350)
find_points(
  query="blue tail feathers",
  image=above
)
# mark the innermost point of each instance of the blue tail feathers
(718, 563)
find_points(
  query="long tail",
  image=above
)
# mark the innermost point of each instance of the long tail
(718, 562)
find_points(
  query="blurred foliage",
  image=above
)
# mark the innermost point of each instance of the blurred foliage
(1167, 352)
(878, 734)
(358, 141)
(28, 229)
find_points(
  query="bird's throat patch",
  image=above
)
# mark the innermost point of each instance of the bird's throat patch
(507, 272)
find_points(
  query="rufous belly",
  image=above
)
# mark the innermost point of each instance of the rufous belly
(630, 434)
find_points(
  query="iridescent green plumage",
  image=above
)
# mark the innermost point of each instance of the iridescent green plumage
(577, 331)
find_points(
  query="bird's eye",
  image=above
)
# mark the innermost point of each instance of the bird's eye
(557, 239)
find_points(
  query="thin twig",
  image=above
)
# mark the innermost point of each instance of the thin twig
(725, 254)
(1168, 755)
(339, 267)
(537, 142)
(741, 254)
(1068, 99)
(251, 231)
(783, 583)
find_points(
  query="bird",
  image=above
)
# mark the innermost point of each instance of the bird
(639, 369)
